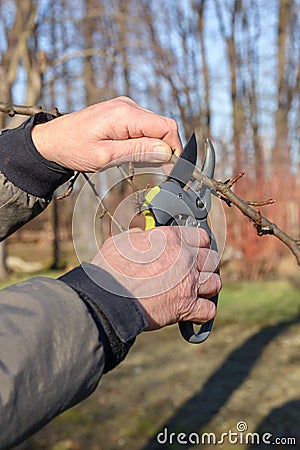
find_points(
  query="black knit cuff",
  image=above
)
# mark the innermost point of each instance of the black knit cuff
(24, 166)
(118, 317)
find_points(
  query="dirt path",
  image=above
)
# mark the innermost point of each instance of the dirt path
(240, 374)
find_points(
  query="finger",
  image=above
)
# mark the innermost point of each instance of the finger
(209, 284)
(138, 150)
(194, 237)
(140, 122)
(155, 126)
(207, 260)
(202, 311)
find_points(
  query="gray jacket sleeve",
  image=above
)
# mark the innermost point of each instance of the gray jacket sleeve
(57, 337)
(51, 356)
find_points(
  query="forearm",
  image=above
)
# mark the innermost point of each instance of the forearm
(50, 352)
(55, 345)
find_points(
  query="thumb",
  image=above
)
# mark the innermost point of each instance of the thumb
(144, 149)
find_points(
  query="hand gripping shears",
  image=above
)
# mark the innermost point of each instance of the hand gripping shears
(174, 202)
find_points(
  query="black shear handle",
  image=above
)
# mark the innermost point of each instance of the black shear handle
(187, 327)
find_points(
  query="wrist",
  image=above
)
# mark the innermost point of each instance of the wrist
(43, 140)
(118, 315)
(153, 312)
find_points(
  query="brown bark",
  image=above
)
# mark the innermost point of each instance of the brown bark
(206, 112)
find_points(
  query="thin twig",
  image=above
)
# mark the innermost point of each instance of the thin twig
(70, 187)
(269, 201)
(138, 194)
(128, 177)
(131, 170)
(12, 110)
(104, 209)
(231, 182)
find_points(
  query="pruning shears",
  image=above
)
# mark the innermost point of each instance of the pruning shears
(174, 202)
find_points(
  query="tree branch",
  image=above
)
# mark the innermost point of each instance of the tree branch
(262, 224)
(23, 110)
(104, 209)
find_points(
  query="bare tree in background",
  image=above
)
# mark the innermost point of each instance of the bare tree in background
(202, 62)
(288, 77)
(17, 50)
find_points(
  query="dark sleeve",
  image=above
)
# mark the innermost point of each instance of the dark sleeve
(27, 179)
(117, 313)
(24, 166)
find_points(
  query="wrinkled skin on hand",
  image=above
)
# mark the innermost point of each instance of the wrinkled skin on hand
(171, 272)
(105, 134)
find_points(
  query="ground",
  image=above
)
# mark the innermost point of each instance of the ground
(248, 371)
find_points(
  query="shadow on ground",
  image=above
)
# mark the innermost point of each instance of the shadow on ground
(195, 414)
(279, 428)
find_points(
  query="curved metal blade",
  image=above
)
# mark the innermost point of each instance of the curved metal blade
(183, 170)
(208, 168)
(210, 159)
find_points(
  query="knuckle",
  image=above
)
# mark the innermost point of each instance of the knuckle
(138, 151)
(203, 256)
(205, 240)
(122, 99)
(172, 233)
(208, 310)
(215, 284)
(212, 310)
(123, 104)
(209, 285)
(122, 107)
(172, 124)
(186, 311)
(217, 260)
(213, 259)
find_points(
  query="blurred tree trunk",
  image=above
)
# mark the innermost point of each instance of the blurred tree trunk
(23, 51)
(199, 7)
(251, 21)
(16, 37)
(236, 84)
(181, 74)
(288, 77)
(16, 50)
